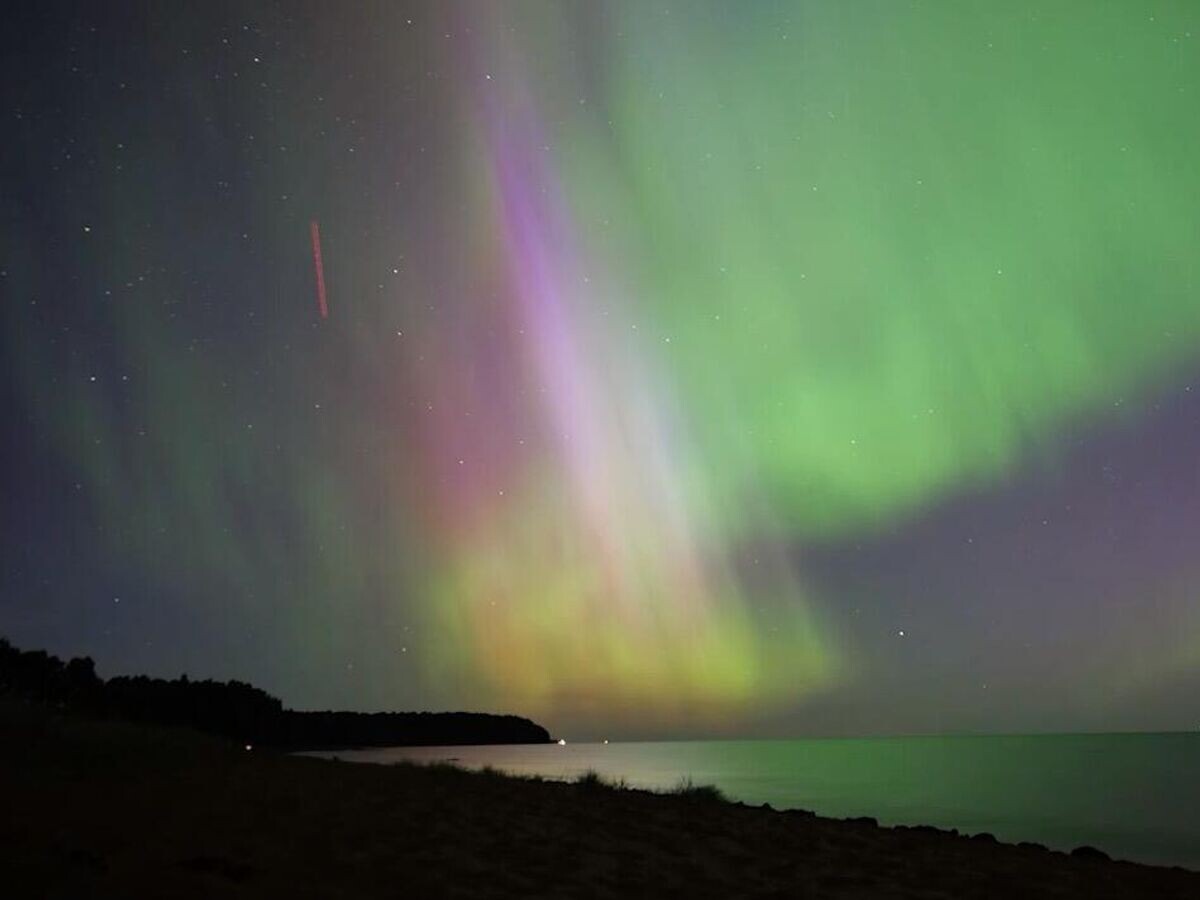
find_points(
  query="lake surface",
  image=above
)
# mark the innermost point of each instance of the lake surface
(1135, 796)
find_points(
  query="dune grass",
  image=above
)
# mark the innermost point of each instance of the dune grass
(705, 793)
(591, 779)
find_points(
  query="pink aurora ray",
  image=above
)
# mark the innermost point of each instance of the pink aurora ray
(588, 570)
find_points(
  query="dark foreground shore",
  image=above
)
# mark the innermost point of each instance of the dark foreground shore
(110, 810)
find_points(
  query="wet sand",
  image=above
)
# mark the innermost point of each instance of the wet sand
(112, 810)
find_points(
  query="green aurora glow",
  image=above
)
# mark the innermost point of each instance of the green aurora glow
(676, 298)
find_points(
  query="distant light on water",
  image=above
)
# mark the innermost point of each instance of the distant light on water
(561, 742)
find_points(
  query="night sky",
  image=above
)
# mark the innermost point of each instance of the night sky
(689, 369)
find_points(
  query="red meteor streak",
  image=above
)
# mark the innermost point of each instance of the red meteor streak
(315, 231)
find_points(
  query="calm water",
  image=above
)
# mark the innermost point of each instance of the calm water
(1136, 796)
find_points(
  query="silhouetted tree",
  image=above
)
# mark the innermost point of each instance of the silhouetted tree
(241, 711)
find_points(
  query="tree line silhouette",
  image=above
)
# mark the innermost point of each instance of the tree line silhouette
(240, 711)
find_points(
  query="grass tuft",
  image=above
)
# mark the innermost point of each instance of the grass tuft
(591, 779)
(705, 793)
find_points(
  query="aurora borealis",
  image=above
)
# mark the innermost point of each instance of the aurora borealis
(706, 368)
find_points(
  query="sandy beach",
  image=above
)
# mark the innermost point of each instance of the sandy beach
(112, 810)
